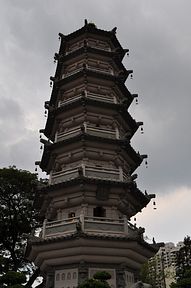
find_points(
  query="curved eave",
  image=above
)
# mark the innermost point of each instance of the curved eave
(49, 149)
(84, 50)
(121, 108)
(90, 73)
(90, 28)
(135, 196)
(44, 191)
(136, 193)
(33, 242)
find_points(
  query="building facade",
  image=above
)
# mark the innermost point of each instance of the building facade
(163, 265)
(92, 193)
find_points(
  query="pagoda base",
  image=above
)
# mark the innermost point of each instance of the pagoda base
(70, 259)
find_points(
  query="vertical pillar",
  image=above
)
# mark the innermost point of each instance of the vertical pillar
(44, 228)
(117, 132)
(50, 280)
(56, 136)
(83, 169)
(120, 173)
(120, 278)
(125, 224)
(82, 272)
(50, 178)
(82, 220)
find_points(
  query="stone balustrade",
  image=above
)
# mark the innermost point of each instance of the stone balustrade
(95, 96)
(88, 171)
(89, 129)
(89, 224)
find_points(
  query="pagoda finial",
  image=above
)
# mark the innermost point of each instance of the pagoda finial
(61, 36)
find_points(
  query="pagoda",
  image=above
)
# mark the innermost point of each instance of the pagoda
(92, 193)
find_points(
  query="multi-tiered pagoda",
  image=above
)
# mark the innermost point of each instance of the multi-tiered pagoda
(91, 194)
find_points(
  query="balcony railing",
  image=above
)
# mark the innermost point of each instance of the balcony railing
(92, 130)
(75, 48)
(69, 100)
(92, 68)
(102, 70)
(67, 74)
(67, 134)
(88, 224)
(101, 132)
(100, 97)
(100, 47)
(88, 171)
(94, 96)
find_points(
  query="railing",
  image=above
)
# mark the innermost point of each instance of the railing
(88, 224)
(100, 97)
(92, 68)
(102, 172)
(92, 130)
(67, 134)
(55, 228)
(88, 171)
(67, 74)
(102, 70)
(100, 48)
(101, 132)
(94, 96)
(90, 45)
(69, 100)
(64, 175)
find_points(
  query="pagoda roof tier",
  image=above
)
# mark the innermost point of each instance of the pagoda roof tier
(86, 52)
(119, 191)
(90, 247)
(117, 111)
(89, 30)
(123, 147)
(84, 75)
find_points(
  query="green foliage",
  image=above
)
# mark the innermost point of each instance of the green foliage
(93, 283)
(184, 266)
(13, 278)
(148, 273)
(17, 219)
(99, 281)
(102, 275)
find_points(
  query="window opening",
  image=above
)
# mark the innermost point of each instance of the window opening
(71, 215)
(99, 212)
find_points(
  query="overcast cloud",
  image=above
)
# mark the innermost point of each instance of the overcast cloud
(159, 38)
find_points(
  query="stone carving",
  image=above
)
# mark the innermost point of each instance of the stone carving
(82, 272)
(120, 278)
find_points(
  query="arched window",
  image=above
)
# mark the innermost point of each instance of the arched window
(57, 277)
(74, 275)
(63, 276)
(69, 276)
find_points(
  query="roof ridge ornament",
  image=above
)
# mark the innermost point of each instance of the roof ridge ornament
(114, 30)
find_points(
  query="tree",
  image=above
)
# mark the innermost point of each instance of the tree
(149, 272)
(99, 281)
(18, 218)
(183, 271)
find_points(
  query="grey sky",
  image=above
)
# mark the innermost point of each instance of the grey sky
(159, 38)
